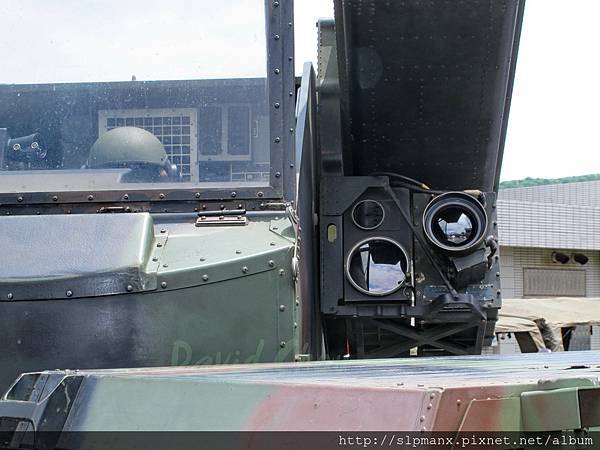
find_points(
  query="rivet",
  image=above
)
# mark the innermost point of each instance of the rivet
(202, 259)
(291, 130)
(54, 198)
(69, 293)
(10, 296)
(17, 147)
(245, 269)
(272, 244)
(277, 174)
(260, 194)
(458, 402)
(295, 324)
(276, 37)
(165, 265)
(163, 230)
(422, 418)
(281, 272)
(277, 140)
(222, 206)
(271, 263)
(19, 199)
(498, 274)
(429, 406)
(238, 252)
(90, 197)
(129, 288)
(197, 195)
(205, 277)
(282, 344)
(432, 396)
(163, 284)
(240, 206)
(277, 105)
(161, 196)
(126, 197)
(297, 303)
(277, 71)
(159, 244)
(275, 4)
(155, 259)
(234, 194)
(282, 308)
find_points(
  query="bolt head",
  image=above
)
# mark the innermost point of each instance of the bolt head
(129, 288)
(163, 284)
(282, 308)
(205, 277)
(69, 293)
(10, 296)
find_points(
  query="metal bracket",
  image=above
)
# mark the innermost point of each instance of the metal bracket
(217, 218)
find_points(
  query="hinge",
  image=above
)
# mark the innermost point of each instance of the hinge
(225, 217)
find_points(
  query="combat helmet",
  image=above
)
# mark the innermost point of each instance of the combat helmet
(132, 148)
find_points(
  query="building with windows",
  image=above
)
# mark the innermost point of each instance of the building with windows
(550, 245)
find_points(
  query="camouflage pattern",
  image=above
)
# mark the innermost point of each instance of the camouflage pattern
(541, 392)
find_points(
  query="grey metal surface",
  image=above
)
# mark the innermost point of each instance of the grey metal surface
(426, 87)
(74, 256)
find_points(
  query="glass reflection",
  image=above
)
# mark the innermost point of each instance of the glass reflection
(454, 226)
(368, 214)
(377, 267)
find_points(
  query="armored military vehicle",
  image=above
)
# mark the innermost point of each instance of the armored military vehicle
(349, 214)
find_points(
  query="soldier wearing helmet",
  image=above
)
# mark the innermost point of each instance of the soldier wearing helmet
(135, 149)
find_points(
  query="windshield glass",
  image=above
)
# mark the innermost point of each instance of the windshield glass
(115, 95)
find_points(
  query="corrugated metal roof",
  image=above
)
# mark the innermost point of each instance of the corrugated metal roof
(551, 216)
(585, 193)
(545, 225)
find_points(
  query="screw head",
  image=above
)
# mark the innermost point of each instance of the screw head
(163, 284)
(10, 296)
(271, 263)
(282, 308)
(90, 197)
(129, 288)
(282, 344)
(54, 198)
(69, 293)
(245, 269)
(19, 199)
(197, 195)
(161, 196)
(205, 277)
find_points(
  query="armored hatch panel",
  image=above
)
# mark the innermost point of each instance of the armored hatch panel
(426, 87)
(534, 392)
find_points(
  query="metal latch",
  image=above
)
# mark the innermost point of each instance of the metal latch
(224, 217)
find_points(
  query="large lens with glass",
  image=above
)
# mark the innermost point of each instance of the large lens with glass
(455, 222)
(377, 266)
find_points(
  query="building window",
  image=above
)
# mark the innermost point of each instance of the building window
(554, 283)
(225, 133)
